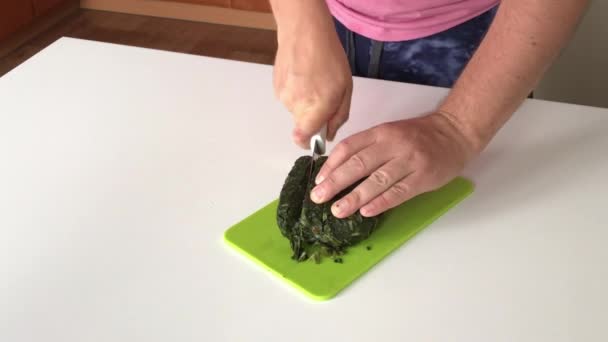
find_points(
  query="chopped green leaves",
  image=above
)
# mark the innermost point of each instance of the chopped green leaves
(311, 228)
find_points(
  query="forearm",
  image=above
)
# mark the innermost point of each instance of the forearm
(524, 39)
(298, 17)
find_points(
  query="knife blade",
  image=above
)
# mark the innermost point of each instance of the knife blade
(317, 145)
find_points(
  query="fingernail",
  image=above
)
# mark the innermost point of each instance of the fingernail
(367, 211)
(317, 194)
(319, 179)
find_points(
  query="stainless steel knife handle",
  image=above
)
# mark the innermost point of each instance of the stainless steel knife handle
(317, 141)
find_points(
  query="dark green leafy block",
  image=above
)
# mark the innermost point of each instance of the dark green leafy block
(291, 198)
(311, 228)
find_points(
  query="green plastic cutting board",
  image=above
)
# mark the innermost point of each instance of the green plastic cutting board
(259, 238)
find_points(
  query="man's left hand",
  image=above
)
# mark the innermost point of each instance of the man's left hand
(400, 159)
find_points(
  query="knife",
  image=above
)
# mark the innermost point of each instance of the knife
(317, 145)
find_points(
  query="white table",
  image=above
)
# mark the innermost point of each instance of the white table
(120, 169)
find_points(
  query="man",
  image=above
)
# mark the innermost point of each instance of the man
(492, 56)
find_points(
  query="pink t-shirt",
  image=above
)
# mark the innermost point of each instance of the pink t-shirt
(397, 20)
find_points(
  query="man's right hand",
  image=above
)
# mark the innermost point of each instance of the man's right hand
(312, 77)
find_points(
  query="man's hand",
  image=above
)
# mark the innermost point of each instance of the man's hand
(402, 159)
(311, 73)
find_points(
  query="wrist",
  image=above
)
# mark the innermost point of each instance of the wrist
(477, 119)
(301, 19)
(471, 141)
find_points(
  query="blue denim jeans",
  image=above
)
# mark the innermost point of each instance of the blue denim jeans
(435, 60)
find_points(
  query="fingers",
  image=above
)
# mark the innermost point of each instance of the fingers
(358, 166)
(311, 114)
(378, 182)
(341, 116)
(307, 124)
(345, 150)
(300, 138)
(402, 191)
